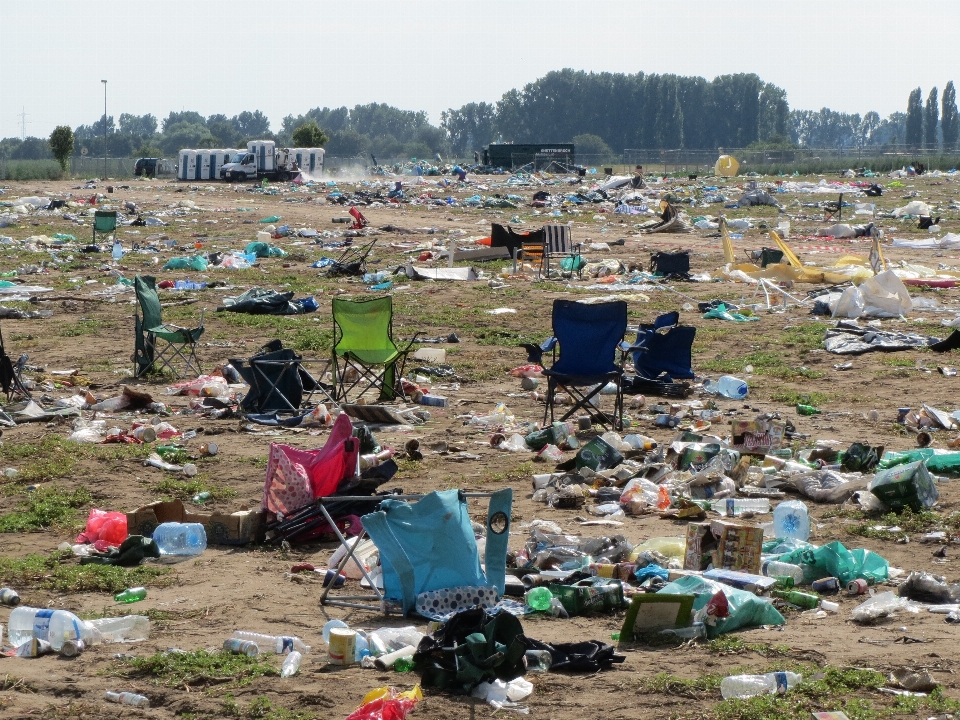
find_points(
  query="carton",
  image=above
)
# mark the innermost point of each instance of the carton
(238, 528)
(909, 485)
(756, 437)
(724, 544)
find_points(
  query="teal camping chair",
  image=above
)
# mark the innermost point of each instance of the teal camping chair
(159, 346)
(104, 222)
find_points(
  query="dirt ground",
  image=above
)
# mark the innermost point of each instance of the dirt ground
(230, 588)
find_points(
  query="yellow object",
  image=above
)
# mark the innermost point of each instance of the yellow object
(726, 166)
(669, 546)
(727, 242)
(377, 693)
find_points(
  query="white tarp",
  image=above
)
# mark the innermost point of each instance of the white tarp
(883, 295)
(948, 241)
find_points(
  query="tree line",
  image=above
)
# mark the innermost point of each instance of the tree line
(603, 113)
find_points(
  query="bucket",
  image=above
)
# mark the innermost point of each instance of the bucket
(343, 646)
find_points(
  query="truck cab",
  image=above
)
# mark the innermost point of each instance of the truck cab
(242, 166)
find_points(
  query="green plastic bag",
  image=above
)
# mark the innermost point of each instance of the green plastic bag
(834, 560)
(271, 219)
(746, 609)
(945, 462)
(572, 263)
(197, 262)
(720, 312)
(264, 250)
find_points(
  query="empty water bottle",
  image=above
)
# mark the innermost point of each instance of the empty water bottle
(291, 664)
(9, 597)
(175, 538)
(732, 387)
(117, 252)
(777, 569)
(538, 660)
(278, 644)
(738, 506)
(128, 698)
(53, 626)
(748, 686)
(791, 520)
(126, 628)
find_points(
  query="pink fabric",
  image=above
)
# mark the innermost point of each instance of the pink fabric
(296, 478)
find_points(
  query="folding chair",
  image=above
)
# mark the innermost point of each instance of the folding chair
(363, 340)
(663, 349)
(558, 242)
(10, 380)
(104, 222)
(671, 264)
(588, 336)
(353, 260)
(157, 344)
(277, 380)
(426, 545)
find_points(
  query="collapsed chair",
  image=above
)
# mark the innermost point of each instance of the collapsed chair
(10, 380)
(662, 354)
(353, 260)
(277, 380)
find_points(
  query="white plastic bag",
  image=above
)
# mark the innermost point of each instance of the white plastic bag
(505, 696)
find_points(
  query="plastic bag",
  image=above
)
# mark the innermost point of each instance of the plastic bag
(197, 262)
(834, 560)
(110, 527)
(744, 608)
(720, 312)
(386, 704)
(264, 250)
(504, 695)
(946, 462)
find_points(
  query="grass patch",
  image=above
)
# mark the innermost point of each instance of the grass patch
(908, 521)
(773, 364)
(54, 456)
(45, 508)
(173, 488)
(84, 326)
(732, 645)
(57, 573)
(159, 619)
(261, 707)
(795, 397)
(199, 667)
(898, 362)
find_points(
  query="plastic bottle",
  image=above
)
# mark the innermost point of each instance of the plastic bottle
(538, 598)
(748, 686)
(117, 251)
(732, 387)
(131, 595)
(202, 497)
(180, 538)
(800, 599)
(738, 506)
(791, 520)
(127, 628)
(777, 569)
(291, 664)
(640, 442)
(279, 644)
(241, 647)
(9, 597)
(538, 660)
(403, 664)
(696, 630)
(128, 698)
(54, 626)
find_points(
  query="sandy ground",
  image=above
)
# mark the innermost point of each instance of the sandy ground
(250, 588)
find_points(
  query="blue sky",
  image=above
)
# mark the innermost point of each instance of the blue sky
(286, 57)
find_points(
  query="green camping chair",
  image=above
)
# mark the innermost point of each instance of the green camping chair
(159, 346)
(363, 340)
(104, 222)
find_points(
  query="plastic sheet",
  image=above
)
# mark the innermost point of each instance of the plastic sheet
(744, 608)
(835, 560)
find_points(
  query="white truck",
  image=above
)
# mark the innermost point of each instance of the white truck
(261, 160)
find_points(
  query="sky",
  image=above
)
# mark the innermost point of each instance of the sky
(282, 57)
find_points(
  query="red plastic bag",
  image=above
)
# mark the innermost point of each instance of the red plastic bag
(106, 526)
(386, 704)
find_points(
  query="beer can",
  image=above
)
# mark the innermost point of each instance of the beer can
(72, 648)
(826, 586)
(241, 647)
(857, 587)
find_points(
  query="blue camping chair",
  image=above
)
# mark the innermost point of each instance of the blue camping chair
(588, 337)
(663, 349)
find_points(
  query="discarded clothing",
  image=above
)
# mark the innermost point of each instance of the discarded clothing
(259, 301)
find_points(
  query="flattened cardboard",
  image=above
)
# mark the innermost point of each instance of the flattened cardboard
(236, 529)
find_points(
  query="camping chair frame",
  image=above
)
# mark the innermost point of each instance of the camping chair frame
(374, 601)
(353, 255)
(162, 352)
(104, 222)
(367, 373)
(265, 386)
(10, 373)
(558, 242)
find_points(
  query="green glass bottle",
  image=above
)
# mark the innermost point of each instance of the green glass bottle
(404, 664)
(801, 599)
(807, 410)
(131, 595)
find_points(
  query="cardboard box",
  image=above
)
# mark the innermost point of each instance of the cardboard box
(238, 528)
(756, 437)
(909, 485)
(725, 545)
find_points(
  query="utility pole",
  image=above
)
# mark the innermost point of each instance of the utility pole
(104, 129)
(23, 124)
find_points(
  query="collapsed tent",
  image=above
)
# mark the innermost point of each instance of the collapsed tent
(726, 166)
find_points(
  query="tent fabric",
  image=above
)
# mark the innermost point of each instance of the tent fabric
(296, 477)
(726, 166)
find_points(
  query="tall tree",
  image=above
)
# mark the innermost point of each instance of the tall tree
(61, 144)
(309, 135)
(914, 131)
(948, 117)
(931, 118)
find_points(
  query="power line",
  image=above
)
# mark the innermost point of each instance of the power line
(23, 124)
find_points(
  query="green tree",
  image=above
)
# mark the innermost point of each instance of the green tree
(61, 144)
(931, 118)
(914, 130)
(592, 148)
(309, 135)
(948, 117)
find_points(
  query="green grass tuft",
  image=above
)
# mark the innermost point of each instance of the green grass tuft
(59, 573)
(45, 508)
(199, 667)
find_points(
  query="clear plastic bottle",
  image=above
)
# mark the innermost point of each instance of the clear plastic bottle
(9, 597)
(538, 660)
(180, 538)
(791, 520)
(128, 698)
(738, 506)
(291, 664)
(775, 568)
(126, 628)
(53, 626)
(748, 686)
(279, 644)
(732, 387)
(117, 251)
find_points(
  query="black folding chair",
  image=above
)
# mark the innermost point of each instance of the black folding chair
(10, 381)
(278, 381)
(353, 260)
